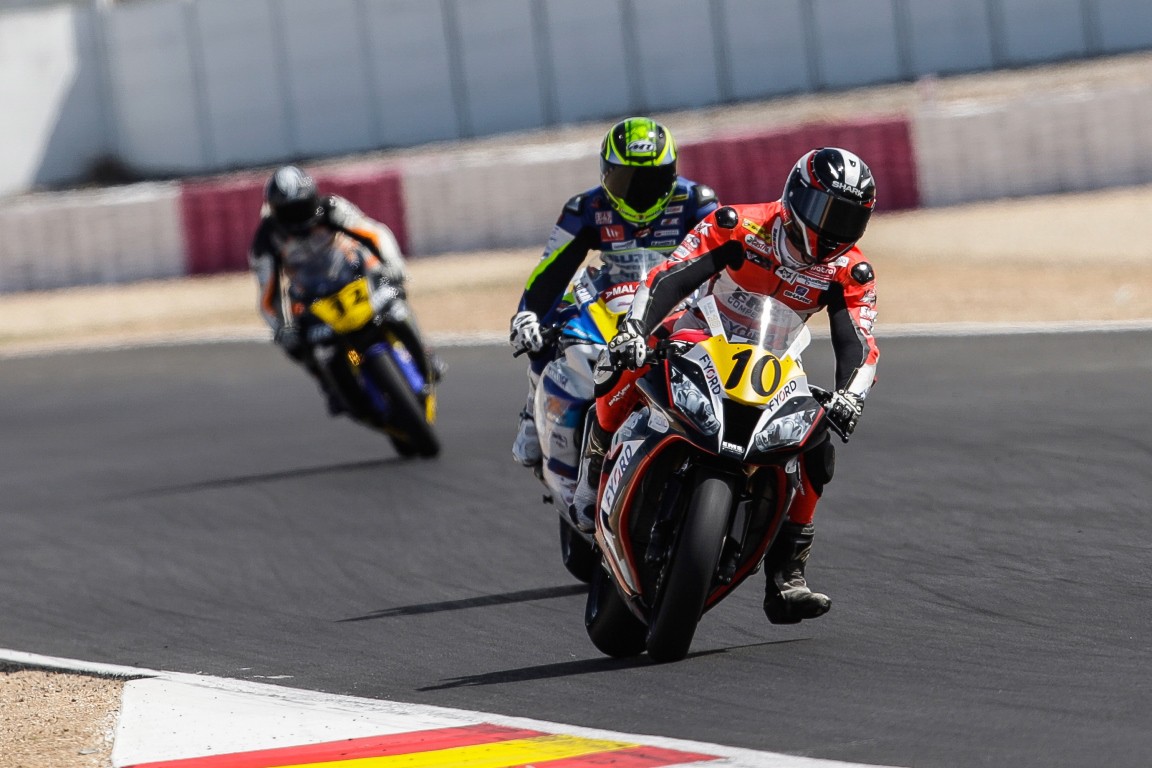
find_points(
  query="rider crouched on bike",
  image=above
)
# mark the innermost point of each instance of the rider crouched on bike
(802, 251)
(641, 203)
(296, 231)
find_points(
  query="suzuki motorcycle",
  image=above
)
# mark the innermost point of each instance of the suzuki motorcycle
(598, 298)
(352, 321)
(700, 476)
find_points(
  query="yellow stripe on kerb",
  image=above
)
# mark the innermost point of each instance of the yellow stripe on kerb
(500, 754)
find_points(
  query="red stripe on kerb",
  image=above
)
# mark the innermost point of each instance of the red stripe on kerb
(634, 757)
(351, 749)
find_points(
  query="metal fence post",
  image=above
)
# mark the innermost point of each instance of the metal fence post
(719, 19)
(456, 80)
(283, 75)
(199, 84)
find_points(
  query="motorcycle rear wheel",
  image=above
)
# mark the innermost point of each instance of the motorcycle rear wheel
(689, 574)
(577, 554)
(416, 434)
(612, 628)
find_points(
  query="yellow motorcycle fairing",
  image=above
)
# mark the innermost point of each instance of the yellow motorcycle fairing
(749, 374)
(607, 321)
(347, 310)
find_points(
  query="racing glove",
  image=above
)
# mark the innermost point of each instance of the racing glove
(526, 335)
(629, 347)
(843, 409)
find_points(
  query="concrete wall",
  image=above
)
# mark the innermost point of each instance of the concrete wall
(176, 87)
(485, 199)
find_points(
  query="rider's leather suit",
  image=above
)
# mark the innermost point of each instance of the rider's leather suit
(273, 251)
(743, 246)
(587, 223)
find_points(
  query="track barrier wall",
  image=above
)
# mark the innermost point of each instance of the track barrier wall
(491, 199)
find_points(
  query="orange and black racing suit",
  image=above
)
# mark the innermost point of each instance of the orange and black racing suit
(743, 247)
(272, 249)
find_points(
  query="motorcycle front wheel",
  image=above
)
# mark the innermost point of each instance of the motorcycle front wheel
(408, 414)
(689, 573)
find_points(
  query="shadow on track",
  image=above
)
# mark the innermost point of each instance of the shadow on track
(523, 596)
(582, 667)
(269, 477)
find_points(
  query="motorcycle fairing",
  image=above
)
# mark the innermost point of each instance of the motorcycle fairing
(626, 461)
(347, 310)
(562, 401)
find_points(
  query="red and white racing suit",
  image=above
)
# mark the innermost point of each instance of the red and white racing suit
(744, 247)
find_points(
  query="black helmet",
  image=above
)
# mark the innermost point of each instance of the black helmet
(828, 199)
(292, 199)
(638, 168)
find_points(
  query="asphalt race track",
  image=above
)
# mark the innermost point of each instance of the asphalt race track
(987, 543)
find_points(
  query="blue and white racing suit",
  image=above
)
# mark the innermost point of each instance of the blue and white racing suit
(589, 223)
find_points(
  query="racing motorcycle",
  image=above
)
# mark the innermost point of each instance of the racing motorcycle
(598, 298)
(353, 320)
(699, 478)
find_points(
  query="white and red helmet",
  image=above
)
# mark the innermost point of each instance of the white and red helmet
(828, 199)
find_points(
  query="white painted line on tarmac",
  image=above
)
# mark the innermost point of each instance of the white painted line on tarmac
(172, 716)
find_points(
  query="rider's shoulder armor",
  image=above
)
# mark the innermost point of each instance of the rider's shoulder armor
(575, 206)
(862, 273)
(340, 213)
(727, 217)
(705, 195)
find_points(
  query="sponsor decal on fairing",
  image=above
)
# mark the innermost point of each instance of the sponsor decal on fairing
(785, 392)
(674, 209)
(674, 221)
(658, 422)
(665, 233)
(603, 217)
(623, 461)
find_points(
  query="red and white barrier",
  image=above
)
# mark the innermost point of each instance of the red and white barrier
(475, 199)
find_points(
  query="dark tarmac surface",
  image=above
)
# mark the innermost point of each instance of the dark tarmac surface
(987, 543)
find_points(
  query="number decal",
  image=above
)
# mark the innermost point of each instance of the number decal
(756, 377)
(741, 359)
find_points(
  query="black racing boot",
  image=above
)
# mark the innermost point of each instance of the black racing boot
(787, 598)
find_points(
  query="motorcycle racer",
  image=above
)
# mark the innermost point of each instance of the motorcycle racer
(641, 203)
(801, 250)
(296, 230)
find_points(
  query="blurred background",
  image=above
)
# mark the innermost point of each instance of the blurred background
(154, 121)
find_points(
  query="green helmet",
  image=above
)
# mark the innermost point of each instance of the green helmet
(638, 168)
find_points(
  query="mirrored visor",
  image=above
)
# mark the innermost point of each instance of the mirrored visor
(830, 216)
